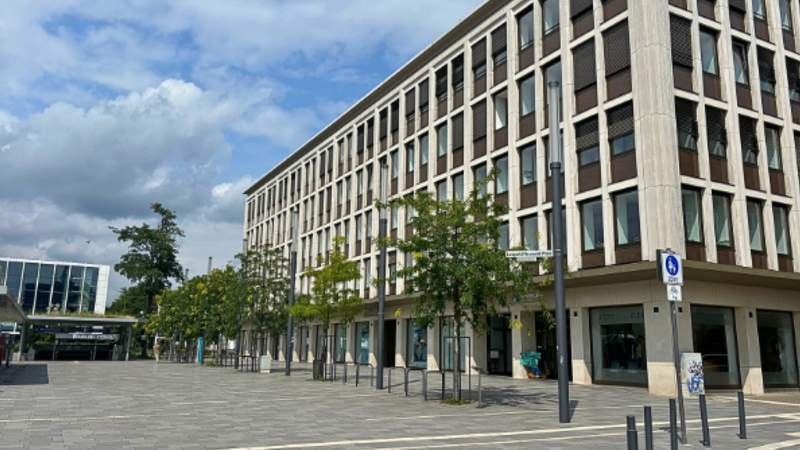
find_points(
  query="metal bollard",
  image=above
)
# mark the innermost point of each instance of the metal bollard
(443, 385)
(390, 381)
(480, 392)
(673, 425)
(633, 439)
(405, 381)
(371, 376)
(742, 417)
(358, 371)
(648, 428)
(425, 385)
(704, 422)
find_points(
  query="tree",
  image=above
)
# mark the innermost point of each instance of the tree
(264, 273)
(458, 262)
(332, 297)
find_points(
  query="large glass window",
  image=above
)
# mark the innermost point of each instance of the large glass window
(786, 14)
(441, 191)
(441, 138)
(530, 233)
(14, 278)
(303, 349)
(29, 287)
(362, 343)
(692, 223)
(410, 157)
(781, 216)
(447, 345)
(423, 150)
(501, 182)
(714, 336)
(395, 161)
(708, 51)
(89, 289)
(60, 287)
(503, 239)
(550, 15)
(618, 345)
(3, 273)
(527, 96)
(458, 187)
(527, 156)
(340, 342)
(626, 206)
(592, 215)
(777, 344)
(758, 9)
(479, 175)
(526, 29)
(500, 110)
(740, 66)
(417, 348)
(45, 287)
(755, 226)
(773, 142)
(722, 220)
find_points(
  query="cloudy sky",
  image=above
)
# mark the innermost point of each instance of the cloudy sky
(108, 106)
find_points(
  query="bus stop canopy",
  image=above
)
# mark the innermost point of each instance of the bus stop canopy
(9, 309)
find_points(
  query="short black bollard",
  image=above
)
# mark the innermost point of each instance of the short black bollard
(742, 417)
(648, 428)
(425, 385)
(673, 425)
(371, 376)
(390, 381)
(443, 385)
(480, 392)
(344, 378)
(633, 439)
(358, 370)
(704, 422)
(405, 381)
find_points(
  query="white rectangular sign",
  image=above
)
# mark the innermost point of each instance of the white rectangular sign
(692, 374)
(529, 255)
(671, 269)
(674, 293)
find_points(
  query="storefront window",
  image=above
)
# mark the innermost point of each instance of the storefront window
(448, 335)
(340, 342)
(618, 345)
(778, 355)
(362, 343)
(417, 345)
(714, 335)
(303, 347)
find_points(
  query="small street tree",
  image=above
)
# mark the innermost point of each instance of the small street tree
(264, 272)
(458, 263)
(333, 296)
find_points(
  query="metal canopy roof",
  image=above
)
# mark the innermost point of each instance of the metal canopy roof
(82, 320)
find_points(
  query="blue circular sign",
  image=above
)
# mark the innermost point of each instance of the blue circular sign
(673, 266)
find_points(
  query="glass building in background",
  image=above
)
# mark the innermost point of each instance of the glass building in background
(50, 287)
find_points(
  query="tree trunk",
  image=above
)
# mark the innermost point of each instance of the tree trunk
(457, 354)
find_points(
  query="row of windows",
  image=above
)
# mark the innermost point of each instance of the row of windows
(47, 287)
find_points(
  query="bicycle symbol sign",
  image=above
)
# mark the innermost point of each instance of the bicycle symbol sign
(673, 266)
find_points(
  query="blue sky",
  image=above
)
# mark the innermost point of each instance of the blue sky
(108, 106)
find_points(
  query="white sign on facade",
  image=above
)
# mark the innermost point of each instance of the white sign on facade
(671, 269)
(529, 255)
(674, 293)
(692, 377)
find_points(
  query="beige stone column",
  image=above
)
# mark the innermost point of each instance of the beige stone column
(434, 344)
(350, 332)
(580, 346)
(373, 342)
(749, 351)
(478, 343)
(523, 339)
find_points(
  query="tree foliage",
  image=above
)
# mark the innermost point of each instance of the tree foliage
(264, 271)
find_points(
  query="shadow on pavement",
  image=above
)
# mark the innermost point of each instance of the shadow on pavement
(24, 374)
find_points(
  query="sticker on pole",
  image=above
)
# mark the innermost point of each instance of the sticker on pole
(674, 293)
(529, 255)
(692, 374)
(671, 269)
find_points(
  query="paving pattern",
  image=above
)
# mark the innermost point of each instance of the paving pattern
(141, 405)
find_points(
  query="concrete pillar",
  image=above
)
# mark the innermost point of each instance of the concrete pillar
(282, 347)
(749, 351)
(434, 345)
(373, 343)
(581, 345)
(523, 339)
(479, 351)
(350, 332)
(658, 337)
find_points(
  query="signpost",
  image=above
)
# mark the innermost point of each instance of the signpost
(670, 272)
(528, 255)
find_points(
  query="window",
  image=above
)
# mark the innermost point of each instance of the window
(714, 336)
(458, 187)
(617, 49)
(754, 224)
(525, 24)
(550, 15)
(499, 54)
(503, 238)
(417, 345)
(441, 83)
(619, 350)
(360, 182)
(458, 73)
(772, 136)
(592, 215)
(786, 14)
(362, 343)
(441, 191)
(501, 182)
(793, 73)
(626, 207)
(411, 97)
(708, 51)
(410, 157)
(393, 216)
(687, 125)
(367, 276)
(621, 129)
(747, 131)
(717, 134)
(395, 164)
(766, 71)
(781, 216)
(527, 156)
(740, 66)
(722, 220)
(530, 233)
(441, 141)
(458, 132)
(527, 96)
(586, 142)
(500, 110)
(479, 60)
(423, 150)
(681, 32)
(423, 96)
(692, 224)
(358, 228)
(479, 175)
(758, 10)
(584, 66)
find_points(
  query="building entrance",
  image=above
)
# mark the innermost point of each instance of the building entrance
(546, 341)
(778, 354)
(389, 338)
(499, 345)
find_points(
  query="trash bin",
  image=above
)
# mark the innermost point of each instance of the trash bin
(530, 361)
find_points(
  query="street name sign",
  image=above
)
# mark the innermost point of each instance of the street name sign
(529, 255)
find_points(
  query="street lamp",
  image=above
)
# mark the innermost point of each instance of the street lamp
(554, 113)
(381, 273)
(292, 275)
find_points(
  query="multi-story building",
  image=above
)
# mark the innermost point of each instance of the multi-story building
(680, 128)
(43, 287)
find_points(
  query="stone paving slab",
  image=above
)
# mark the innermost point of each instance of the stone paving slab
(81, 405)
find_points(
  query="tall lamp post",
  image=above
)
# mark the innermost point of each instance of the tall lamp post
(292, 275)
(554, 113)
(238, 348)
(381, 273)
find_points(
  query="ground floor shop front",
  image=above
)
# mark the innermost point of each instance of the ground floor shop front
(619, 333)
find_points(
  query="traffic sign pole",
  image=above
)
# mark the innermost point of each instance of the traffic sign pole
(670, 269)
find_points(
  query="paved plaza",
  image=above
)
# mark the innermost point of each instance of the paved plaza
(139, 405)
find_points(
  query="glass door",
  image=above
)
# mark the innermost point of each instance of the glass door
(777, 344)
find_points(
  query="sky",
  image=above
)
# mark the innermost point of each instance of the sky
(108, 106)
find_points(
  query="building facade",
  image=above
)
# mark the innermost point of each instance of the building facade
(680, 128)
(46, 287)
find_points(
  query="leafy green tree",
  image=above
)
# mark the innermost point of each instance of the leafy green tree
(458, 262)
(333, 294)
(264, 272)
